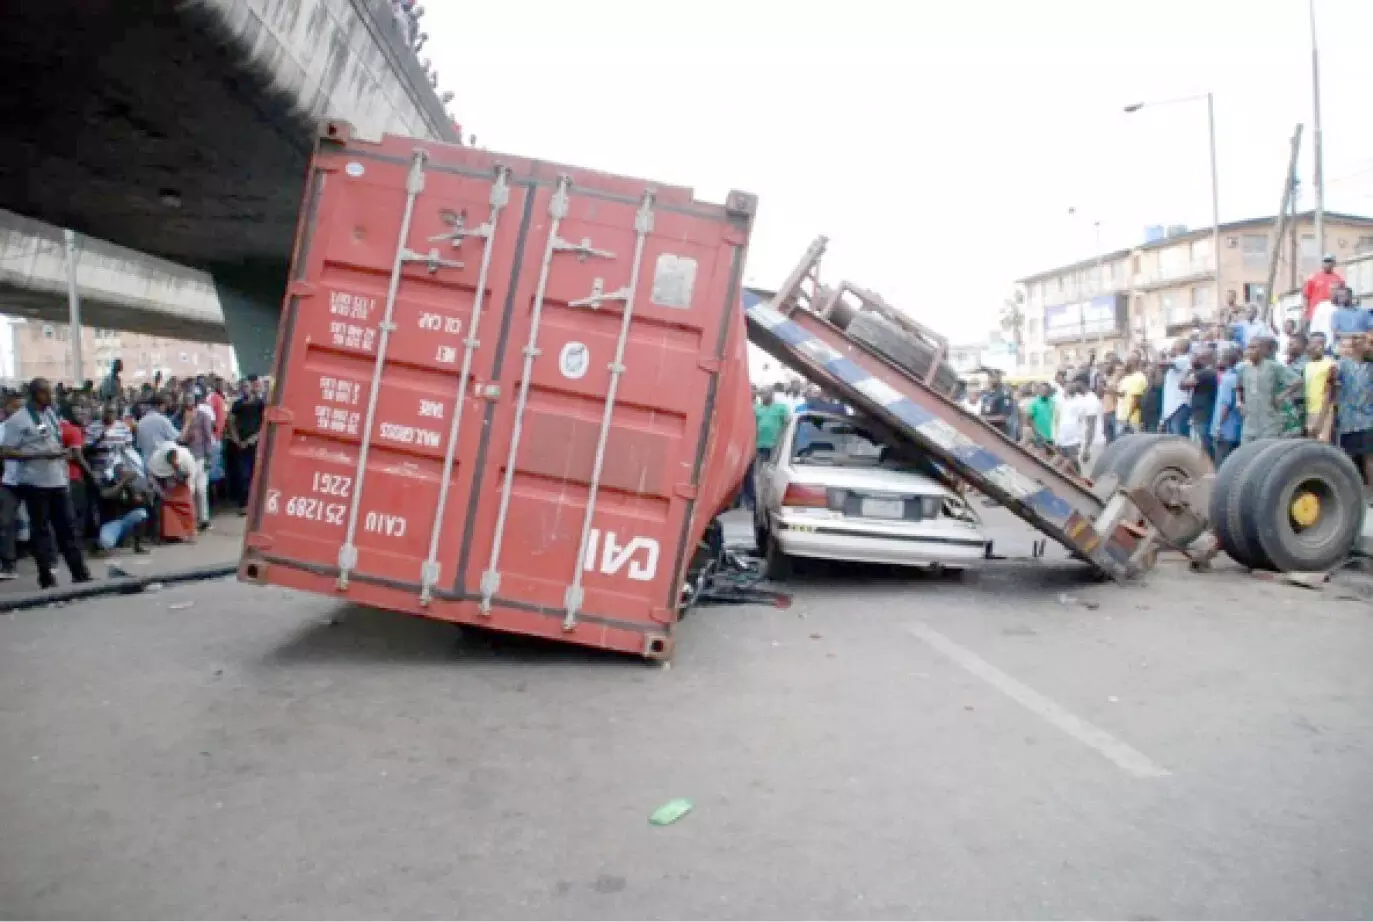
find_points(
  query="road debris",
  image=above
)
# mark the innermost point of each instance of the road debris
(180, 606)
(670, 812)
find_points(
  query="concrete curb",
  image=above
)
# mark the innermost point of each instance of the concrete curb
(127, 585)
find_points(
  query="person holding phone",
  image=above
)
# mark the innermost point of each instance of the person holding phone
(33, 439)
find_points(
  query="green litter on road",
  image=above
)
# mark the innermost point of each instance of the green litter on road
(670, 812)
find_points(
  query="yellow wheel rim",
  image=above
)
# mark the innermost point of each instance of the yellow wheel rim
(1306, 509)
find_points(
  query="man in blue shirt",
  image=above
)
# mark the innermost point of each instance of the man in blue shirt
(1227, 422)
(1248, 329)
(1347, 319)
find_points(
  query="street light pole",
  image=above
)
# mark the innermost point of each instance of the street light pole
(1215, 181)
(1317, 148)
(1215, 205)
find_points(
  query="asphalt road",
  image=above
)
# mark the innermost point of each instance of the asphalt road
(891, 746)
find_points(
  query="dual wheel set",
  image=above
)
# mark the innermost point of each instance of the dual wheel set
(1291, 505)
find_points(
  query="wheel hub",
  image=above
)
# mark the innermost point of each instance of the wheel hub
(1305, 509)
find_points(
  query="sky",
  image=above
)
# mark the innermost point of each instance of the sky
(945, 148)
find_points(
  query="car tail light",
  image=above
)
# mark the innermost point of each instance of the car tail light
(799, 495)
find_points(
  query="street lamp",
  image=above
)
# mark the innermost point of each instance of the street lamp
(1215, 183)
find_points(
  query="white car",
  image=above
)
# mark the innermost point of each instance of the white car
(834, 491)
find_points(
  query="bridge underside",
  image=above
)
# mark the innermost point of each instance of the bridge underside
(51, 307)
(126, 120)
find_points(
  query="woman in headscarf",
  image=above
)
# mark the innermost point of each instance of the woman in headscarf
(171, 471)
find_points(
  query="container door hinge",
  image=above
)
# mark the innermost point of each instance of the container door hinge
(279, 416)
(583, 249)
(685, 490)
(302, 289)
(709, 366)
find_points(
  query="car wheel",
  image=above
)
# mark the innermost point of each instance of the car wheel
(1308, 507)
(779, 565)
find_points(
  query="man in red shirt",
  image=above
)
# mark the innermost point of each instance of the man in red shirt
(218, 405)
(1320, 286)
(84, 507)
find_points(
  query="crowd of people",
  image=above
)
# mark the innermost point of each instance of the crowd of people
(1222, 386)
(408, 14)
(92, 467)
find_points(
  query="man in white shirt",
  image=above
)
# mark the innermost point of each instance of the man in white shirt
(1321, 320)
(1077, 422)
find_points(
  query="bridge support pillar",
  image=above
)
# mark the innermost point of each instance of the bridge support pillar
(251, 297)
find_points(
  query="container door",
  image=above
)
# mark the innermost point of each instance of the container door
(391, 340)
(606, 375)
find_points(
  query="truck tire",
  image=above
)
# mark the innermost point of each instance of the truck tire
(901, 348)
(1236, 475)
(1307, 509)
(1153, 461)
(1111, 454)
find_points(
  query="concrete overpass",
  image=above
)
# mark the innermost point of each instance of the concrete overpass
(119, 288)
(182, 128)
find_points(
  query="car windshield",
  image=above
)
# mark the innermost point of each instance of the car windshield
(823, 440)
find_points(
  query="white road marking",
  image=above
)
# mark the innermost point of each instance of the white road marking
(1123, 755)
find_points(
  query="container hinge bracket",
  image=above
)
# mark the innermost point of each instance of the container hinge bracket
(685, 490)
(709, 366)
(490, 585)
(597, 297)
(429, 578)
(583, 249)
(279, 415)
(347, 561)
(432, 261)
(572, 599)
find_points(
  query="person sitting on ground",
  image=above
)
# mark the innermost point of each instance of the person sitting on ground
(127, 502)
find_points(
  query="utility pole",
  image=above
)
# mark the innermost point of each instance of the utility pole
(1215, 202)
(1316, 125)
(73, 306)
(1288, 200)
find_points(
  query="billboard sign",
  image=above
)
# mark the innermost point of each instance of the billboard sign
(1100, 316)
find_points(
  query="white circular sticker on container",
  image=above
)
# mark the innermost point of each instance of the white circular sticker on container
(574, 360)
(354, 169)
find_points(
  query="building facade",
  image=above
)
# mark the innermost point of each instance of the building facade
(1164, 287)
(31, 349)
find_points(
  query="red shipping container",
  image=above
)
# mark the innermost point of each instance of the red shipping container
(508, 393)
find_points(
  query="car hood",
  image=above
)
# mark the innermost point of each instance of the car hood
(869, 480)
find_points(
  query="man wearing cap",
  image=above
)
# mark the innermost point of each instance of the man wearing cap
(1320, 286)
